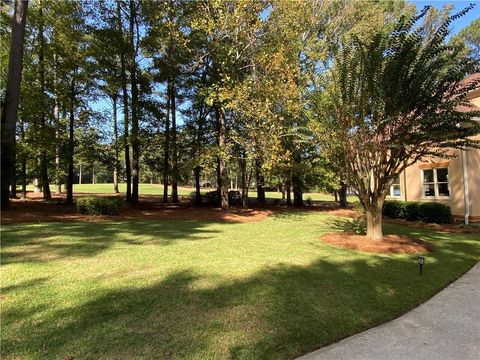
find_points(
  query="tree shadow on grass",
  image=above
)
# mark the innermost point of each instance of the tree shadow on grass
(24, 285)
(54, 241)
(279, 312)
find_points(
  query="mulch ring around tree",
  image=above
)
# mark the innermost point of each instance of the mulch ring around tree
(390, 244)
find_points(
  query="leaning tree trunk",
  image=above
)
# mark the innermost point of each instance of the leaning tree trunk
(12, 95)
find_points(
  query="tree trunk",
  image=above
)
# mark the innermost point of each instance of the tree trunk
(174, 146)
(222, 138)
(123, 76)
(133, 81)
(374, 224)
(43, 156)
(93, 173)
(115, 143)
(56, 123)
(243, 181)
(58, 179)
(24, 163)
(260, 181)
(288, 186)
(12, 96)
(24, 177)
(80, 174)
(198, 194)
(166, 159)
(71, 146)
(297, 190)
(198, 168)
(343, 195)
(13, 191)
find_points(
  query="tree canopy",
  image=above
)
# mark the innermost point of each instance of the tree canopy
(262, 94)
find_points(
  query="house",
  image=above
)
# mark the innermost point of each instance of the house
(454, 181)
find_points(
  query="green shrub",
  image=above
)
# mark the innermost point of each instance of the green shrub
(214, 198)
(432, 212)
(394, 209)
(429, 212)
(91, 205)
(412, 211)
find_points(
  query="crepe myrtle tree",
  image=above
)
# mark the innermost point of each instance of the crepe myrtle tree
(393, 101)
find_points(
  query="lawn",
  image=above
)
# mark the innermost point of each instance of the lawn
(144, 189)
(157, 189)
(205, 290)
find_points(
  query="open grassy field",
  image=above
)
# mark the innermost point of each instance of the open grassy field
(157, 189)
(184, 289)
(145, 189)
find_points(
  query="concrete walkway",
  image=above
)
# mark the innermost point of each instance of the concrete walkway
(446, 327)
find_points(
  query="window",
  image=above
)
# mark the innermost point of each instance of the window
(395, 188)
(435, 182)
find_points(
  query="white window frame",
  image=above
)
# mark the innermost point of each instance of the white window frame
(435, 183)
(392, 193)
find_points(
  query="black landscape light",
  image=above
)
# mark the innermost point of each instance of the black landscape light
(421, 261)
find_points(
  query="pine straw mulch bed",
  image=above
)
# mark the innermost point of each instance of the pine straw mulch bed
(35, 209)
(389, 244)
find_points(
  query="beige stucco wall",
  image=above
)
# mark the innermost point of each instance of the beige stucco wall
(411, 186)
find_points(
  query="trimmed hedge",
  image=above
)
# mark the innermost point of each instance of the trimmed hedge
(90, 205)
(429, 212)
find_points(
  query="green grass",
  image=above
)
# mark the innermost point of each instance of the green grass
(205, 290)
(145, 189)
(157, 189)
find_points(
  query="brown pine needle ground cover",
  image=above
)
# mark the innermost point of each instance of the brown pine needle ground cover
(389, 244)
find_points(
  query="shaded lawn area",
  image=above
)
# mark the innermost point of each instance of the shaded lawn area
(205, 290)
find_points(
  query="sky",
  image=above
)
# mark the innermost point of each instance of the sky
(458, 6)
(456, 27)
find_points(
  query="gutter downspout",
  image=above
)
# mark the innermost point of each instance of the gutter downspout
(465, 185)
